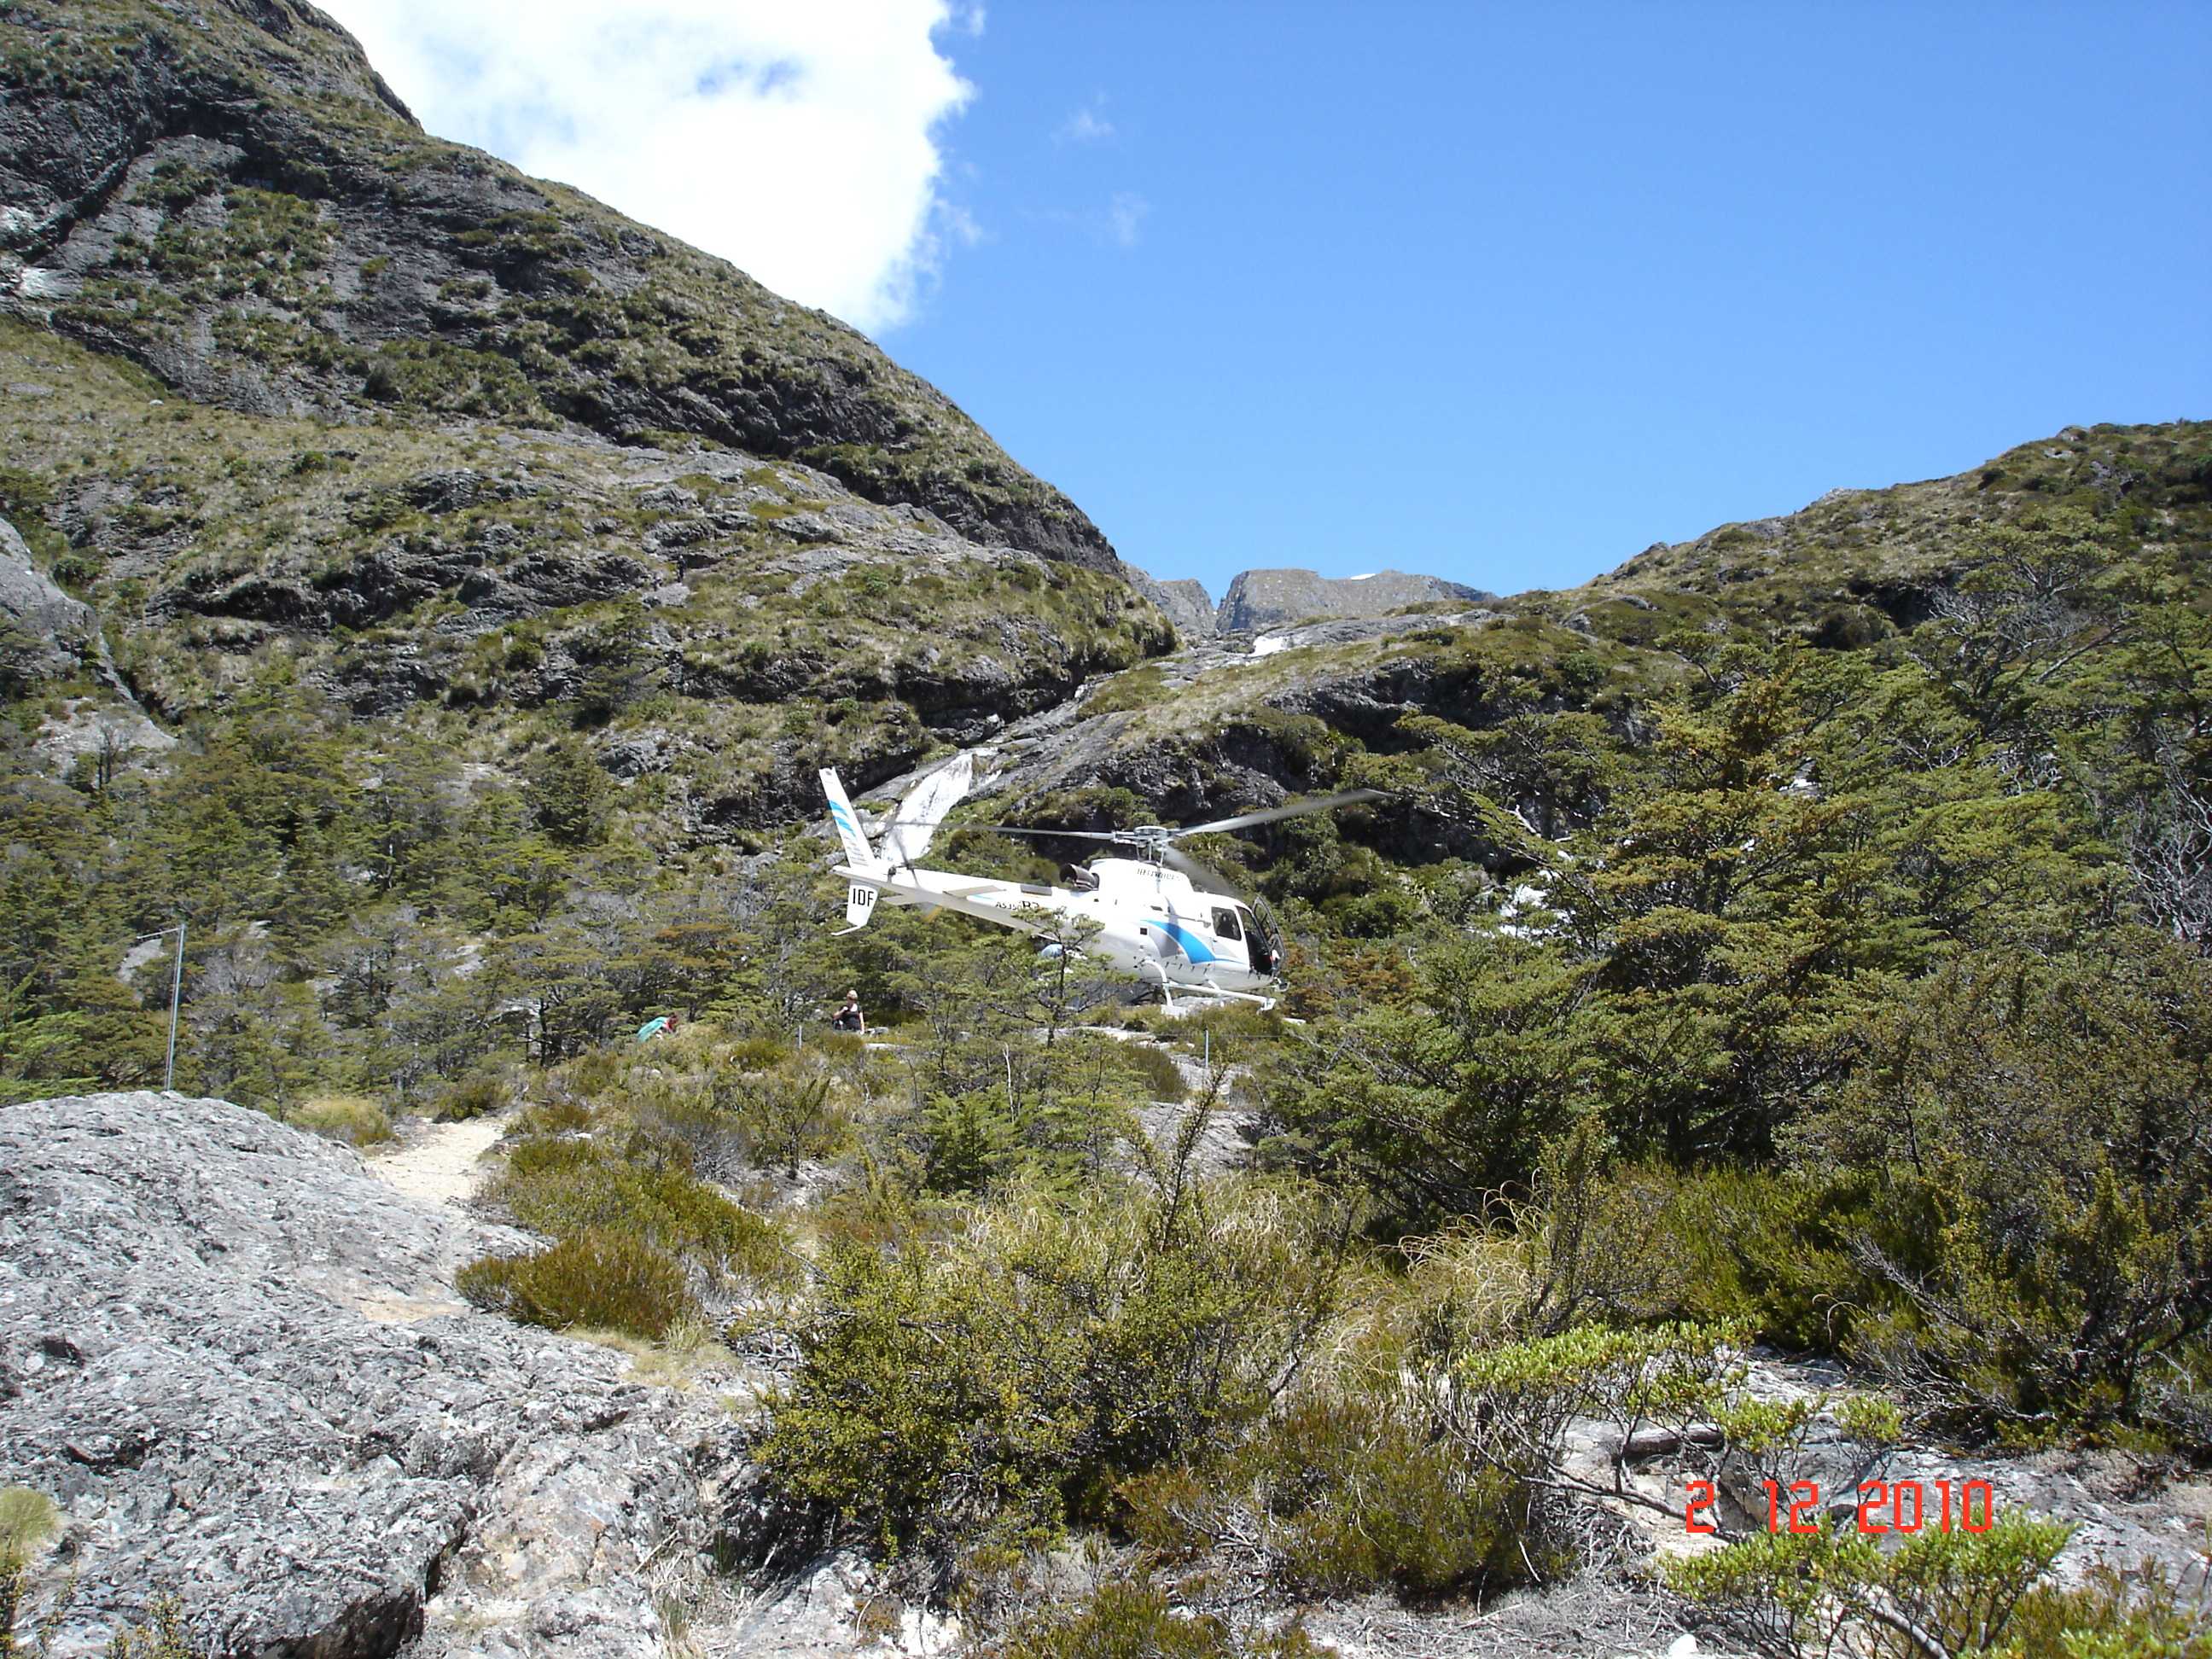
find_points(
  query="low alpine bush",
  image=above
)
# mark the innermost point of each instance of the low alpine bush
(990, 1387)
(603, 1280)
(348, 1118)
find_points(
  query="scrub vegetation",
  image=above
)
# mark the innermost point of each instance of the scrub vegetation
(1731, 988)
(1793, 942)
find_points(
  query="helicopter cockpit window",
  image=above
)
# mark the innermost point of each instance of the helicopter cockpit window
(1224, 924)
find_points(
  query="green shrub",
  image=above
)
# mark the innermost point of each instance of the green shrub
(1795, 1594)
(973, 1142)
(438, 376)
(989, 1386)
(478, 1095)
(605, 1280)
(566, 1188)
(25, 1518)
(1135, 689)
(551, 1119)
(1343, 1495)
(2035, 1142)
(1155, 1070)
(716, 1141)
(1768, 1249)
(1512, 1404)
(348, 1118)
(163, 1636)
(786, 1114)
(757, 1054)
(2111, 1615)
(1126, 1620)
(595, 1073)
(1640, 1241)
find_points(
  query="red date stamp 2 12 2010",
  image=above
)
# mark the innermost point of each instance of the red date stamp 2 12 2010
(1883, 1506)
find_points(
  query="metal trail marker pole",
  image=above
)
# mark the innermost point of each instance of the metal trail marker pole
(176, 995)
(176, 989)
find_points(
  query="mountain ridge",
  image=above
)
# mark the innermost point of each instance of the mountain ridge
(1274, 596)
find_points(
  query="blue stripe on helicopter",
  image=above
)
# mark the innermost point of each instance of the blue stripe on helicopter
(839, 813)
(1191, 944)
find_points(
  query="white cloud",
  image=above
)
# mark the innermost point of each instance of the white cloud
(960, 224)
(799, 141)
(1125, 214)
(1088, 125)
(1120, 223)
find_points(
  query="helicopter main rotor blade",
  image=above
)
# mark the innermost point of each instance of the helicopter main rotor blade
(919, 823)
(1026, 830)
(1295, 810)
(1205, 879)
(994, 829)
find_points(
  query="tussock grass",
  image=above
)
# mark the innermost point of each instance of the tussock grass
(353, 1119)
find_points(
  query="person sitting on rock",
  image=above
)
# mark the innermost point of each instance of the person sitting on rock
(849, 1018)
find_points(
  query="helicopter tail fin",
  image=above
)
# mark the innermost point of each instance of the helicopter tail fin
(859, 905)
(858, 853)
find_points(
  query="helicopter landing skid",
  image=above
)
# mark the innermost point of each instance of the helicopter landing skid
(1167, 988)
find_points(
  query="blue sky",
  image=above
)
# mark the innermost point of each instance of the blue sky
(1502, 294)
(1508, 294)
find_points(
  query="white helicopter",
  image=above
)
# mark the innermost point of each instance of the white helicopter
(1161, 914)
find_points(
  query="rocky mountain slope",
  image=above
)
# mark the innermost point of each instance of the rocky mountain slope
(438, 592)
(1211, 730)
(700, 608)
(1858, 565)
(233, 199)
(295, 388)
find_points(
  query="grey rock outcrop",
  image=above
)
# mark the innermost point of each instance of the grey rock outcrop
(231, 1355)
(1260, 599)
(1353, 630)
(1183, 602)
(1189, 607)
(46, 624)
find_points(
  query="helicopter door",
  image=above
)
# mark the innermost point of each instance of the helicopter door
(1260, 950)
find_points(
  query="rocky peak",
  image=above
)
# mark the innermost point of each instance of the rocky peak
(1183, 602)
(1260, 599)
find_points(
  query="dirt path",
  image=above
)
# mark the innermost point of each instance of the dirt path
(440, 1165)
